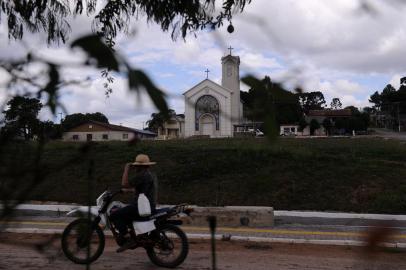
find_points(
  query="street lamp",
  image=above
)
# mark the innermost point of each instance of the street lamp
(398, 103)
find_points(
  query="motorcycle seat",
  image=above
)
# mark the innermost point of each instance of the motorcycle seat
(161, 210)
(154, 214)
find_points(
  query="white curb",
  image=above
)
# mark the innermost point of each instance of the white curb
(277, 213)
(45, 207)
(311, 214)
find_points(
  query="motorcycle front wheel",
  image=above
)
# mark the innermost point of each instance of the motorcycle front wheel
(82, 242)
(170, 246)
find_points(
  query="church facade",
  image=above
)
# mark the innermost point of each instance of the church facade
(212, 109)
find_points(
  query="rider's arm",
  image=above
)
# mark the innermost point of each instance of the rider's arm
(125, 190)
(124, 180)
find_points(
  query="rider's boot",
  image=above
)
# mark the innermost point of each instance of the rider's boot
(121, 239)
(129, 244)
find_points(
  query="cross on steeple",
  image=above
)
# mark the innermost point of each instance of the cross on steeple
(230, 49)
(207, 73)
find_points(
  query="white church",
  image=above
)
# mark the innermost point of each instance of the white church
(211, 110)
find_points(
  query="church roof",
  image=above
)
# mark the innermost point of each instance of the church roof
(210, 81)
(230, 57)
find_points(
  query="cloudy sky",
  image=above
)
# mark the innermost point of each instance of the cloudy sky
(338, 47)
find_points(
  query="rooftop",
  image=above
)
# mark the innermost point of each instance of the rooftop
(330, 113)
(120, 128)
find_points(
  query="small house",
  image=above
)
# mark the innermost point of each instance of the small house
(173, 128)
(98, 131)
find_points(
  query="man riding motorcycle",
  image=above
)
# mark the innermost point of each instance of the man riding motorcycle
(142, 182)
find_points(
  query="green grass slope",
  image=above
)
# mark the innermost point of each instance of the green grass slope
(359, 175)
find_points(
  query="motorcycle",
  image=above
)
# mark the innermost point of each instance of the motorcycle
(83, 240)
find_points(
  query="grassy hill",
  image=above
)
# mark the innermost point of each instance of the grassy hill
(360, 175)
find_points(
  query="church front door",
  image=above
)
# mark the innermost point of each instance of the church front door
(207, 124)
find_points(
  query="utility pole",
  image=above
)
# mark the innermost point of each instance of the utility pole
(398, 117)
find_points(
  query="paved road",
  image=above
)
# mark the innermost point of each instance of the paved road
(230, 255)
(387, 133)
(346, 235)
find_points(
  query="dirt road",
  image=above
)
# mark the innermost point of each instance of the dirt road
(231, 255)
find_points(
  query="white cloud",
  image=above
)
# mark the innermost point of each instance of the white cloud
(349, 92)
(166, 75)
(395, 80)
(4, 77)
(147, 57)
(254, 61)
(121, 107)
(318, 44)
(348, 100)
(185, 51)
(343, 86)
(334, 34)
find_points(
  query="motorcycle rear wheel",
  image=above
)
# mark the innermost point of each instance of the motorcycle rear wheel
(82, 242)
(168, 238)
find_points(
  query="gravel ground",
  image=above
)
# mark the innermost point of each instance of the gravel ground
(18, 251)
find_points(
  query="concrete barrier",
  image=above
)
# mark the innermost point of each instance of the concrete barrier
(233, 216)
(228, 216)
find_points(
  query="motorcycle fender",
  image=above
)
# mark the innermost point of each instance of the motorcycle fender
(141, 227)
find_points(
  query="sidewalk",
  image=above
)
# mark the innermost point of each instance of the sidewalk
(289, 227)
(327, 235)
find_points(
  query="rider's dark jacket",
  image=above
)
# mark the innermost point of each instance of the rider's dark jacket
(144, 182)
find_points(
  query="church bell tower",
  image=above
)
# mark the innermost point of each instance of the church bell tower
(231, 80)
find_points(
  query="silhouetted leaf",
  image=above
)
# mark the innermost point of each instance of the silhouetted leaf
(298, 90)
(52, 87)
(264, 102)
(138, 80)
(98, 50)
(271, 127)
(51, 17)
(252, 82)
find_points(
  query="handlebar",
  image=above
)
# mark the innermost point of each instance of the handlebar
(111, 195)
(107, 199)
(183, 208)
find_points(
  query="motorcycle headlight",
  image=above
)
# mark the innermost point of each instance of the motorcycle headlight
(188, 210)
(100, 199)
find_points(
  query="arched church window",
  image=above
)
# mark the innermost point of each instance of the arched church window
(207, 104)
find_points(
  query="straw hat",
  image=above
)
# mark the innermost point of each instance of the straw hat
(142, 160)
